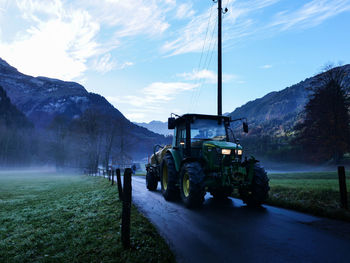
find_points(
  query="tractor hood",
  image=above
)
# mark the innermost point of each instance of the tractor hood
(222, 145)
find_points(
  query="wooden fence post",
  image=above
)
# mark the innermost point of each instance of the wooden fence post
(126, 208)
(342, 187)
(119, 183)
(112, 176)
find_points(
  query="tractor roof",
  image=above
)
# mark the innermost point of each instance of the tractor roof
(191, 116)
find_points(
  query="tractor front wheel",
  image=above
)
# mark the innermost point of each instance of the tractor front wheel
(168, 178)
(191, 186)
(259, 189)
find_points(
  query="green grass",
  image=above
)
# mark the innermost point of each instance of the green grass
(314, 193)
(70, 218)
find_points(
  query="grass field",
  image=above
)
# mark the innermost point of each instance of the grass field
(315, 193)
(70, 218)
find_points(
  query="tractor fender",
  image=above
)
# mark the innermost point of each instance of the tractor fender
(176, 157)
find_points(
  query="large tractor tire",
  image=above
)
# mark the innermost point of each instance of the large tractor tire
(151, 180)
(191, 184)
(168, 178)
(259, 190)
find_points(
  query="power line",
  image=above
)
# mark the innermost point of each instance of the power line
(206, 64)
(201, 56)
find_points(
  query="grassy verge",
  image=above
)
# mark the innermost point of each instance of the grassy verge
(314, 193)
(70, 218)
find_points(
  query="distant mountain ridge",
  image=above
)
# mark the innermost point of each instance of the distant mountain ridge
(157, 127)
(277, 112)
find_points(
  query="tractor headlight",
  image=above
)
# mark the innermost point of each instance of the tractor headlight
(226, 151)
(239, 152)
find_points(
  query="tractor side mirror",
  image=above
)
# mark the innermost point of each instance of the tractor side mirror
(245, 127)
(171, 123)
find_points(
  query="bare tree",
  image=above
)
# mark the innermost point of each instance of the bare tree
(90, 137)
(109, 133)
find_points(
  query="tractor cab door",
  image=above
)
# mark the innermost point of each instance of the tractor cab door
(180, 142)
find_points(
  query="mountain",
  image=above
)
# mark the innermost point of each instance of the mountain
(277, 112)
(10, 116)
(157, 127)
(41, 99)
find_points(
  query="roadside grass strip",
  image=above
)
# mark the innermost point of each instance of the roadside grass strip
(48, 217)
(314, 193)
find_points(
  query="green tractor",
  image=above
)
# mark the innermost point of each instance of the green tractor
(205, 157)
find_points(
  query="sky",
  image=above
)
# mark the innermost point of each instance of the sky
(150, 58)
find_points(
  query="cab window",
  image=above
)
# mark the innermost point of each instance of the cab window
(181, 138)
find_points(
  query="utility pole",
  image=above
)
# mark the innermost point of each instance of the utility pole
(219, 57)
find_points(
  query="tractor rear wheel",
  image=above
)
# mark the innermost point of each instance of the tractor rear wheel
(191, 186)
(151, 180)
(168, 178)
(259, 190)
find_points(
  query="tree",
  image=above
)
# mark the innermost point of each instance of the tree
(88, 130)
(109, 133)
(324, 133)
(125, 142)
(59, 129)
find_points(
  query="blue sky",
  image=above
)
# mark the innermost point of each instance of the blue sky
(153, 57)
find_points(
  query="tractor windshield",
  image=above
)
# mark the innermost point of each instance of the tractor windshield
(203, 129)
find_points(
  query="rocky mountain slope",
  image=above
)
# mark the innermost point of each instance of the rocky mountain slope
(10, 116)
(277, 112)
(41, 99)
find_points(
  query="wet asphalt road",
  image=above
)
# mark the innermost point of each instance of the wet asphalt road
(231, 232)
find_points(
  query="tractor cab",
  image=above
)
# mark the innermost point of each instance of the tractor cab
(195, 132)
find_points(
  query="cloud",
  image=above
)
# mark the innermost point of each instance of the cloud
(56, 48)
(267, 66)
(204, 74)
(147, 105)
(135, 116)
(33, 9)
(130, 18)
(247, 19)
(310, 14)
(200, 33)
(161, 92)
(152, 98)
(104, 64)
(155, 94)
(62, 39)
(208, 76)
(191, 37)
(185, 11)
(126, 65)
